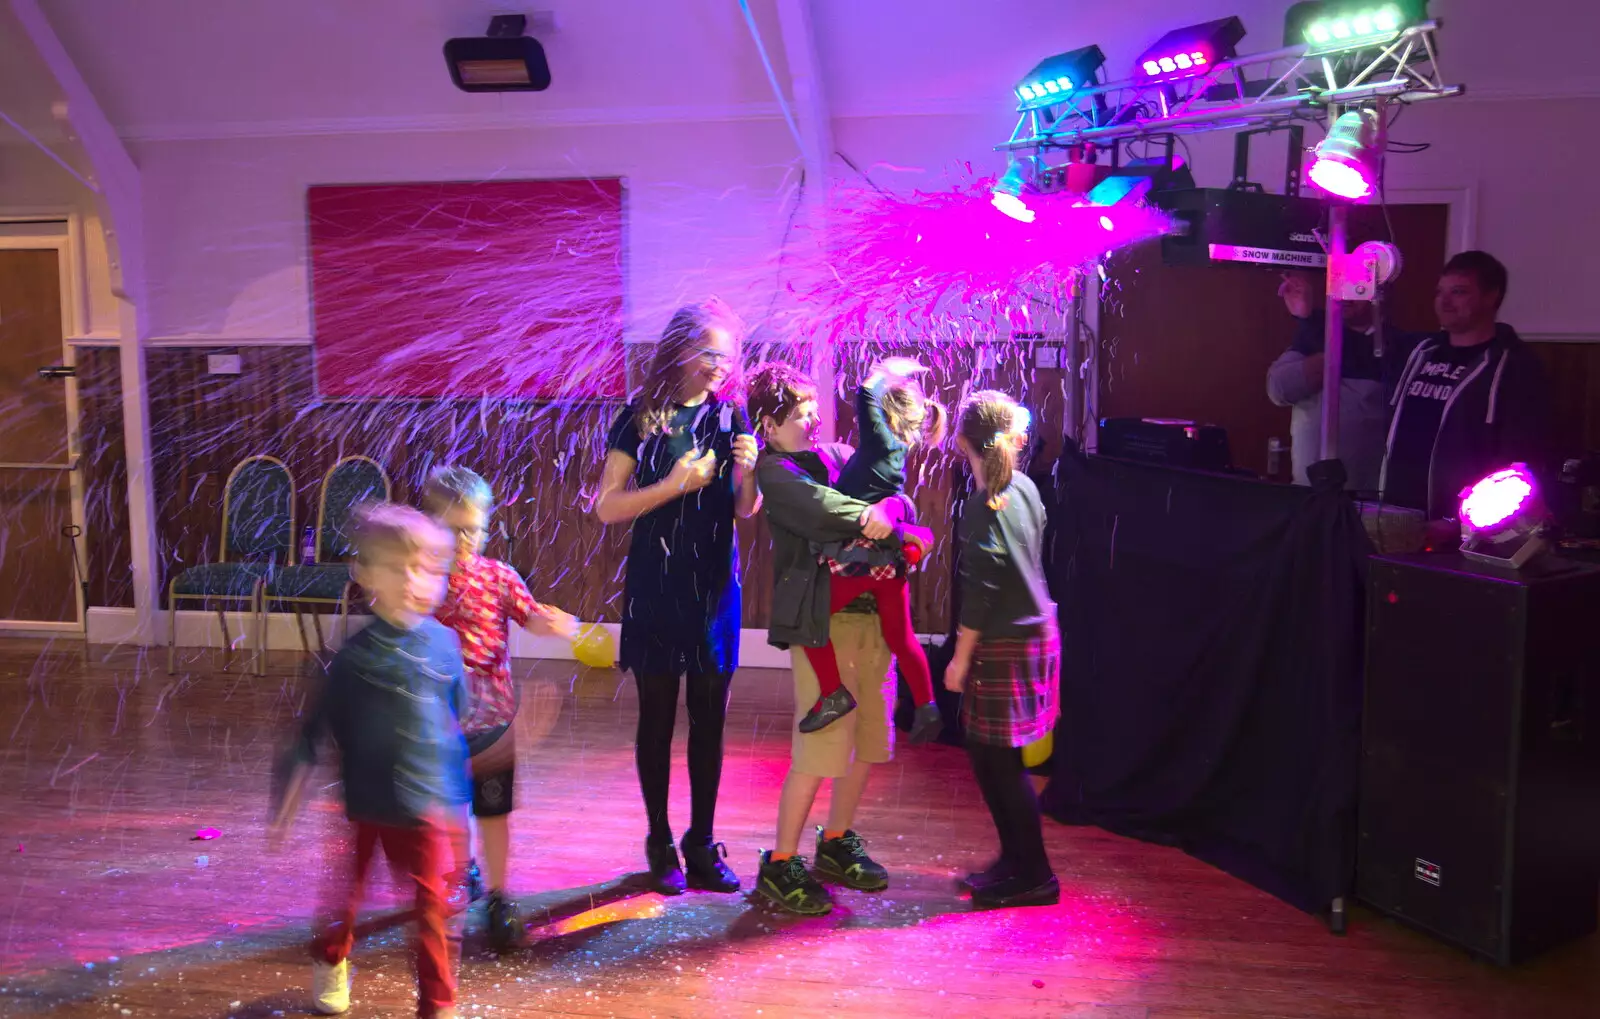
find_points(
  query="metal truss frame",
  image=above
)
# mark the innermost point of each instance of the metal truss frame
(1256, 91)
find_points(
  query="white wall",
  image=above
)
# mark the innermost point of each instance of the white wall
(682, 109)
(228, 227)
(31, 184)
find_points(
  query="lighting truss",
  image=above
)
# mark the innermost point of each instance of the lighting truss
(1258, 90)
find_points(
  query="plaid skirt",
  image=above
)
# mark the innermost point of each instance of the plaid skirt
(1013, 694)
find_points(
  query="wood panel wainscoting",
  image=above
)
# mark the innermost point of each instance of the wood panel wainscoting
(543, 460)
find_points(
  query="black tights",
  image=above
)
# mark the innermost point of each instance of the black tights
(658, 712)
(1009, 794)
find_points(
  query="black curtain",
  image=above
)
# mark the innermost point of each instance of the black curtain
(1211, 673)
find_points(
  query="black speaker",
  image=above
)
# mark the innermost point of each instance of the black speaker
(1480, 765)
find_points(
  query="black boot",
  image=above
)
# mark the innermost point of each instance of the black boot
(828, 710)
(1018, 890)
(666, 876)
(926, 723)
(999, 870)
(504, 922)
(704, 867)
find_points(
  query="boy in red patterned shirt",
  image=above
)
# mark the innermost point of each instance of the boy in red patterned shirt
(484, 598)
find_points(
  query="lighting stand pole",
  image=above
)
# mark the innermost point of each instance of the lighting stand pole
(1333, 340)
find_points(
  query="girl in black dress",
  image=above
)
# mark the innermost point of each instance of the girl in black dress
(679, 466)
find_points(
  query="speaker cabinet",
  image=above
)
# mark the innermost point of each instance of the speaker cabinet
(1480, 762)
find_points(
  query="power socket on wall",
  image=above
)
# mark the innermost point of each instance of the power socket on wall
(222, 364)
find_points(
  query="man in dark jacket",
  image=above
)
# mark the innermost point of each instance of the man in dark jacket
(1468, 400)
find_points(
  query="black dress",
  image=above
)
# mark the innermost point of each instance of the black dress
(681, 606)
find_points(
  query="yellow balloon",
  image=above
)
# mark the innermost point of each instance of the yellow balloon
(1038, 752)
(595, 647)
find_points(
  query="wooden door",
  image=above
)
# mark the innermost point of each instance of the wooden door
(36, 567)
(1195, 342)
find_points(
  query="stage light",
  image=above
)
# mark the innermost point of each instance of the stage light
(1329, 28)
(1008, 192)
(1187, 52)
(1056, 78)
(1106, 224)
(1013, 206)
(1503, 519)
(503, 61)
(1346, 163)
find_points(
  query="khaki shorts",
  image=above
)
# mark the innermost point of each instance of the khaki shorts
(865, 734)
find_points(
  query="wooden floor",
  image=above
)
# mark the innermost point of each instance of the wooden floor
(110, 908)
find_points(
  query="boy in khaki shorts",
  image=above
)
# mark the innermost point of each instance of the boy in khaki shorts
(801, 509)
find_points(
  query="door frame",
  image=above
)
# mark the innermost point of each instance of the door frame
(60, 231)
(1461, 224)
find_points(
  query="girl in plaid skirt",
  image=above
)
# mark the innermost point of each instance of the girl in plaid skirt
(1007, 660)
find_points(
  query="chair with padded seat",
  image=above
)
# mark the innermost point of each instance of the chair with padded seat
(326, 579)
(257, 535)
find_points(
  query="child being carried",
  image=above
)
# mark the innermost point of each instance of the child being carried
(893, 414)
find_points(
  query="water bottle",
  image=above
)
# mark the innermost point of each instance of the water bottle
(308, 546)
(1274, 457)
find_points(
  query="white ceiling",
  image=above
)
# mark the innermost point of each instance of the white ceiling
(193, 68)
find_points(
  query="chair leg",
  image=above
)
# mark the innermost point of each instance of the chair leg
(300, 628)
(258, 609)
(227, 645)
(172, 632)
(316, 624)
(344, 615)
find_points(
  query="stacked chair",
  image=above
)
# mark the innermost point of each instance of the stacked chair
(257, 539)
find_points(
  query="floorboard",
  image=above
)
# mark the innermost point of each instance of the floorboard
(111, 907)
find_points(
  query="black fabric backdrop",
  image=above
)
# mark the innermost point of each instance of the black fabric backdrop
(1211, 672)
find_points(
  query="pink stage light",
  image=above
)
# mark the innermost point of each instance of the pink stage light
(1495, 502)
(1340, 179)
(1106, 224)
(1012, 206)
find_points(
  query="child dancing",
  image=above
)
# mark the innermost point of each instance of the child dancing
(1007, 660)
(893, 414)
(392, 705)
(484, 597)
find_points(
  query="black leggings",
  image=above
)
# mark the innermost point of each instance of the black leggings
(658, 712)
(1009, 794)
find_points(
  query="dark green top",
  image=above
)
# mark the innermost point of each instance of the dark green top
(802, 509)
(1003, 592)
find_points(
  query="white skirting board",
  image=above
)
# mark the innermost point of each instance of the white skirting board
(200, 629)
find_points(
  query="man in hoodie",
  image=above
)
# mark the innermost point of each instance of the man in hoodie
(1295, 381)
(1468, 400)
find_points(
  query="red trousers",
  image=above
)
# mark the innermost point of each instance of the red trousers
(432, 856)
(894, 617)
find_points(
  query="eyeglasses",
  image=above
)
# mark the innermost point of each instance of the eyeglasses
(713, 357)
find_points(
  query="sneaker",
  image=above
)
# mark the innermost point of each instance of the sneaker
(704, 869)
(666, 875)
(926, 723)
(330, 987)
(790, 885)
(828, 710)
(1017, 891)
(475, 889)
(504, 922)
(845, 860)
